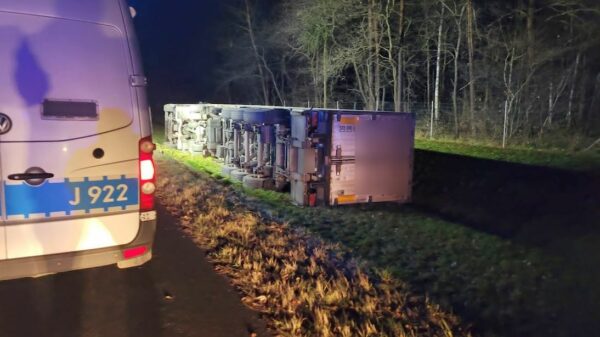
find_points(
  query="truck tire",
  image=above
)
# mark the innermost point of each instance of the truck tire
(236, 115)
(268, 170)
(225, 113)
(267, 116)
(238, 175)
(170, 145)
(196, 148)
(214, 112)
(227, 169)
(221, 151)
(257, 182)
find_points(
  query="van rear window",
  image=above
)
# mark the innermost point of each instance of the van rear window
(70, 110)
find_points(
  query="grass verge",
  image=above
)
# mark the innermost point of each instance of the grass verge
(553, 158)
(504, 288)
(302, 284)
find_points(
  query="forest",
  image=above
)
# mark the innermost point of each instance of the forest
(501, 72)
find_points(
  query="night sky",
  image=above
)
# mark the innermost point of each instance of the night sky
(178, 40)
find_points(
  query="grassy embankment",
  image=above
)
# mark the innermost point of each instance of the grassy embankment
(303, 285)
(523, 155)
(502, 287)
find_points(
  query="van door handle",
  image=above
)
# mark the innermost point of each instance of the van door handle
(31, 177)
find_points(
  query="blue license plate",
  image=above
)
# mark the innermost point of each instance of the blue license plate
(56, 198)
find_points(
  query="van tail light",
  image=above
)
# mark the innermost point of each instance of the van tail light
(147, 174)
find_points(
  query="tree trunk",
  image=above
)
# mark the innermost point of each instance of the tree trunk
(510, 95)
(594, 106)
(550, 105)
(325, 70)
(284, 76)
(455, 83)
(369, 65)
(263, 80)
(583, 93)
(572, 91)
(471, 50)
(428, 68)
(315, 78)
(399, 88)
(376, 54)
(436, 96)
(377, 88)
(427, 61)
(359, 81)
(530, 33)
(399, 80)
(273, 79)
(431, 122)
(390, 51)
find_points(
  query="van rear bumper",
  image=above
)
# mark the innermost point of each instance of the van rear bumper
(56, 263)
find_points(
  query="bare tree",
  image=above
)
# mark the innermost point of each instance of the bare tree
(438, 62)
(471, 51)
(458, 14)
(257, 55)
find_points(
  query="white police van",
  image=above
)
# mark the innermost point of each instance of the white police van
(76, 167)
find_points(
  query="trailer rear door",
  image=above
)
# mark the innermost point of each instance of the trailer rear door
(371, 157)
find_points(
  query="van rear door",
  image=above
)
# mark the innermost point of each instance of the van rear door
(2, 221)
(69, 165)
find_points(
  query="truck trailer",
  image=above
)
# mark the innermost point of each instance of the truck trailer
(324, 157)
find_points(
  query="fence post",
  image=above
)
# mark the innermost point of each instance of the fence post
(431, 123)
(504, 127)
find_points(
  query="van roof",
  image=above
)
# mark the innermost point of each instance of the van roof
(99, 11)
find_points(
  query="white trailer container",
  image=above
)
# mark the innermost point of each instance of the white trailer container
(348, 157)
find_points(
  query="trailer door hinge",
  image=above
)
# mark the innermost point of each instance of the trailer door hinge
(338, 152)
(338, 168)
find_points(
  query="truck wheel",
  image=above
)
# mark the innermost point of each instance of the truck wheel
(225, 113)
(221, 151)
(196, 148)
(257, 182)
(237, 115)
(271, 116)
(227, 169)
(213, 112)
(170, 145)
(238, 175)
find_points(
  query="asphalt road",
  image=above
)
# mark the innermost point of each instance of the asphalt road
(176, 294)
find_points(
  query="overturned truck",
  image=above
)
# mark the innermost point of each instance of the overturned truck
(322, 156)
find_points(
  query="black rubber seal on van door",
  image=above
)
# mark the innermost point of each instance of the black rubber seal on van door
(69, 110)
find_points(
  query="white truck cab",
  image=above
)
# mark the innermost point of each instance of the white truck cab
(76, 167)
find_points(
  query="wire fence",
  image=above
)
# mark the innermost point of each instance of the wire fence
(446, 124)
(490, 128)
(485, 128)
